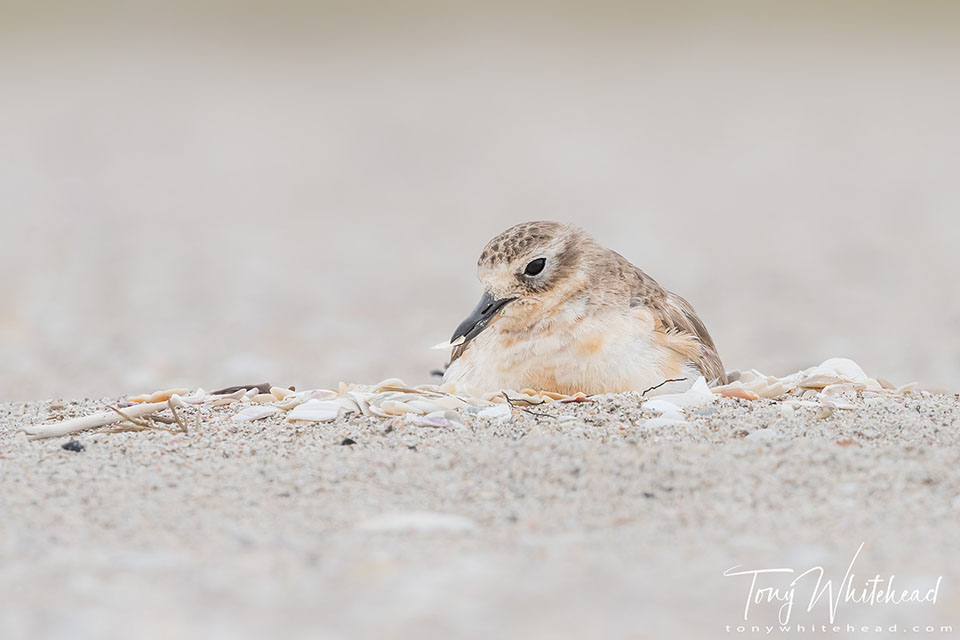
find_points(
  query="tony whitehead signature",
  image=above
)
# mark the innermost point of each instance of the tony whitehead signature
(876, 590)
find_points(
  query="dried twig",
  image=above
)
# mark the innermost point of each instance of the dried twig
(176, 416)
(512, 401)
(123, 427)
(526, 401)
(143, 423)
(147, 423)
(657, 386)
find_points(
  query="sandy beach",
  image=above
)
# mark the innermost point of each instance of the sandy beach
(582, 524)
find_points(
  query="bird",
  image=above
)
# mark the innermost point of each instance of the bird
(563, 314)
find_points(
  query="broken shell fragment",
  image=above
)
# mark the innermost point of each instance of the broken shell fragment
(280, 393)
(739, 392)
(158, 396)
(446, 345)
(394, 408)
(389, 382)
(436, 419)
(361, 400)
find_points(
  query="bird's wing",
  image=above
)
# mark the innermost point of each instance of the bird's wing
(676, 315)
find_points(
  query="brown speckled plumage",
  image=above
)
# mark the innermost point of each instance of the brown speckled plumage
(516, 241)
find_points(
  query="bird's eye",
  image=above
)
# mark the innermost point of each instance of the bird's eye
(535, 267)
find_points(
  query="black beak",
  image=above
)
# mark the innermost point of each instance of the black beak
(479, 318)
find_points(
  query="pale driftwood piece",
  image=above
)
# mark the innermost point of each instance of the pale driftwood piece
(38, 431)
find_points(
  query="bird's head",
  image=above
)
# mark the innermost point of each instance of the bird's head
(526, 272)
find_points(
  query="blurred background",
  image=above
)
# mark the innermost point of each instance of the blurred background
(213, 193)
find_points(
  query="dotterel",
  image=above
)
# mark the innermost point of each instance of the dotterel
(561, 313)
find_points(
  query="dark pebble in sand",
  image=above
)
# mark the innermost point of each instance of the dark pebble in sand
(73, 445)
(348, 441)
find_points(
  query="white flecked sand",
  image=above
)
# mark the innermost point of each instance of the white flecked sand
(591, 527)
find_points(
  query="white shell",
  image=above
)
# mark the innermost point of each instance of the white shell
(318, 394)
(835, 371)
(696, 396)
(498, 412)
(315, 411)
(197, 397)
(449, 402)
(423, 406)
(390, 382)
(361, 400)
(664, 407)
(348, 405)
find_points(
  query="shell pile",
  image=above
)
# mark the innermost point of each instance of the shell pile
(425, 405)
(832, 385)
(829, 386)
(834, 382)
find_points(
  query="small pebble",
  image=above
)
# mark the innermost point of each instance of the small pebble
(348, 442)
(73, 445)
(823, 413)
